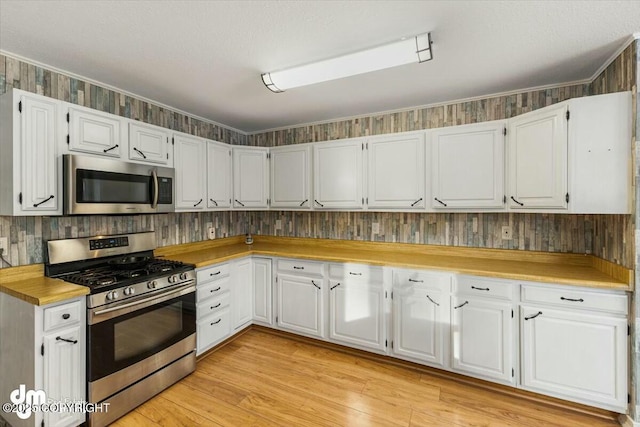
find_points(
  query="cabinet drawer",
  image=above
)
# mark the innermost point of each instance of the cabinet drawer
(300, 267)
(212, 273)
(213, 289)
(213, 305)
(421, 279)
(576, 298)
(62, 315)
(213, 328)
(356, 272)
(481, 287)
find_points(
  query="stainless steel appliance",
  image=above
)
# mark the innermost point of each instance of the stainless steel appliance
(141, 315)
(104, 186)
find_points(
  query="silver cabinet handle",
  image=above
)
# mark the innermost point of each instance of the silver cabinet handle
(571, 299)
(461, 305)
(533, 316)
(140, 152)
(314, 284)
(521, 204)
(479, 289)
(334, 286)
(433, 301)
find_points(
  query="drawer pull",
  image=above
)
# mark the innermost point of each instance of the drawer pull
(314, 284)
(216, 322)
(461, 305)
(334, 286)
(295, 267)
(355, 274)
(215, 274)
(66, 316)
(571, 299)
(416, 281)
(433, 301)
(479, 289)
(215, 290)
(66, 340)
(533, 316)
(216, 306)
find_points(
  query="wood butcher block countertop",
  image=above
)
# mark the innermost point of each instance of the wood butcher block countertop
(566, 269)
(28, 283)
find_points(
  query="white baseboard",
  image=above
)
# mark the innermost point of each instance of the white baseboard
(626, 421)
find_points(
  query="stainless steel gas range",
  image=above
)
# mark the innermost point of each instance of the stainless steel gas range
(141, 316)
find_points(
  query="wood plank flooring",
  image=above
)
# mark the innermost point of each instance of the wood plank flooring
(261, 379)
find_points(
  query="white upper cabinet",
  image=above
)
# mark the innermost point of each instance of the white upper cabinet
(396, 166)
(149, 143)
(467, 166)
(191, 174)
(219, 175)
(291, 177)
(338, 175)
(95, 132)
(250, 177)
(30, 170)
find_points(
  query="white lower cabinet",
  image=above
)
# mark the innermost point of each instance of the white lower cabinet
(242, 292)
(575, 353)
(262, 295)
(421, 316)
(213, 309)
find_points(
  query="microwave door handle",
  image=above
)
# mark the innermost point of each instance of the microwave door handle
(154, 174)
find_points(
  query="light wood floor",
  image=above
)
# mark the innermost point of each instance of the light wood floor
(265, 380)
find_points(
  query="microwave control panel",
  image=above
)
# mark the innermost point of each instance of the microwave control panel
(165, 190)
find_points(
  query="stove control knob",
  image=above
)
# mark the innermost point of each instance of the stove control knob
(129, 291)
(152, 284)
(173, 279)
(112, 295)
(184, 276)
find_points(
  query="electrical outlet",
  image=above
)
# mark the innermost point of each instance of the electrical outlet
(278, 224)
(375, 228)
(211, 232)
(506, 232)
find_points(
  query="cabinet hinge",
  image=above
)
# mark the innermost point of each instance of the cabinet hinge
(229, 153)
(20, 107)
(276, 319)
(167, 156)
(363, 147)
(385, 344)
(512, 313)
(276, 279)
(68, 118)
(68, 139)
(20, 198)
(367, 200)
(385, 294)
(513, 373)
(628, 329)
(42, 423)
(392, 344)
(173, 141)
(568, 114)
(566, 197)
(504, 131)
(504, 199)
(628, 398)
(391, 294)
(42, 349)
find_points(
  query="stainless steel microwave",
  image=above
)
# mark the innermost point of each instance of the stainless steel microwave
(104, 186)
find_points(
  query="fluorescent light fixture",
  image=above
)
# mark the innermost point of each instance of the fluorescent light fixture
(406, 51)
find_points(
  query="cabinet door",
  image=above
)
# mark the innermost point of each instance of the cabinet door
(250, 177)
(63, 380)
(337, 175)
(396, 167)
(190, 165)
(420, 321)
(149, 143)
(467, 166)
(38, 136)
(262, 290)
(291, 177)
(356, 314)
(300, 304)
(483, 338)
(538, 159)
(554, 346)
(242, 292)
(94, 132)
(218, 175)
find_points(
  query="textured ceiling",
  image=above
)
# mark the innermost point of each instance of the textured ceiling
(205, 57)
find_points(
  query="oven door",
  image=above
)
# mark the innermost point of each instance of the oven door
(122, 336)
(105, 186)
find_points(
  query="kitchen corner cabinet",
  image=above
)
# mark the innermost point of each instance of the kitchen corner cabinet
(219, 175)
(45, 350)
(149, 144)
(242, 292)
(191, 173)
(421, 316)
(30, 169)
(94, 132)
(213, 306)
(483, 340)
(300, 297)
(291, 177)
(338, 175)
(357, 306)
(396, 169)
(574, 344)
(250, 178)
(467, 166)
(262, 291)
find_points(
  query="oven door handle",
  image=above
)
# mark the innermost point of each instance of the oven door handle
(154, 175)
(109, 313)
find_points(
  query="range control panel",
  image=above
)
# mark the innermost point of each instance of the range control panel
(108, 242)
